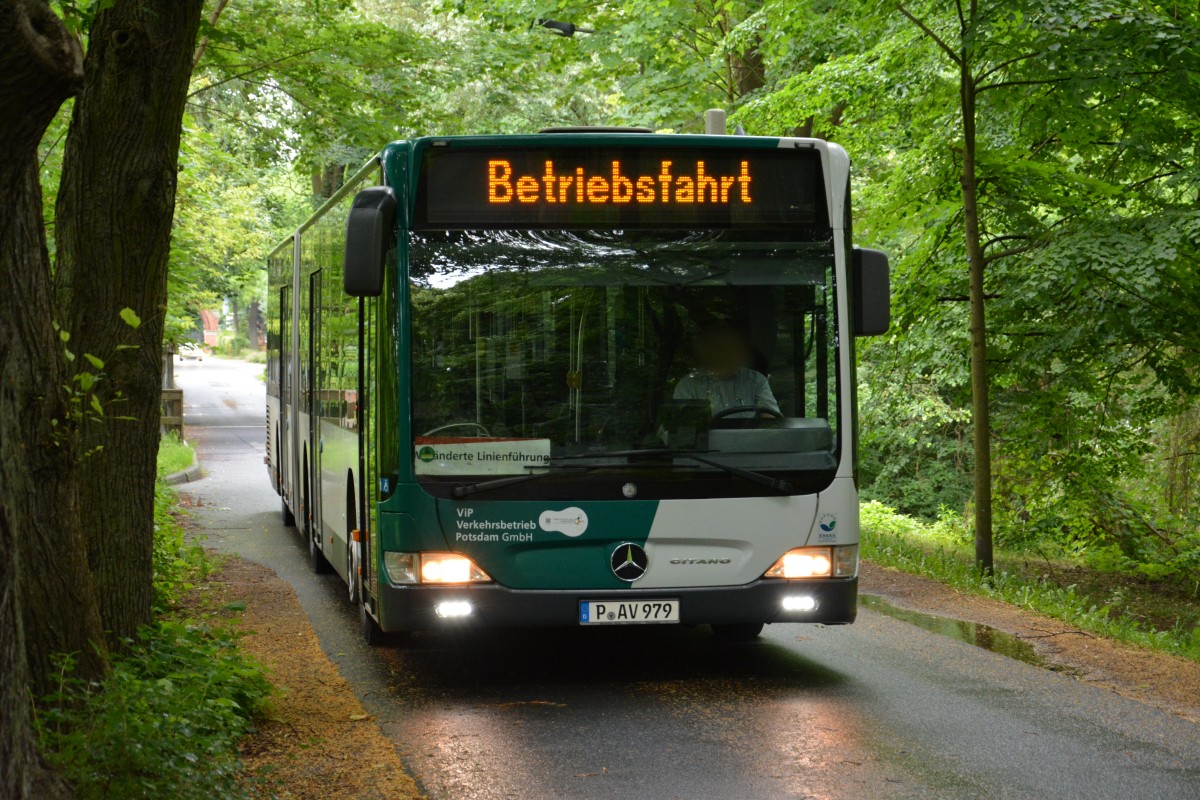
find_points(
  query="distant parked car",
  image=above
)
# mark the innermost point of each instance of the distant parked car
(190, 350)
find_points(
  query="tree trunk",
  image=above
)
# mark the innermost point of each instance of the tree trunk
(237, 319)
(113, 224)
(39, 69)
(327, 179)
(747, 70)
(980, 408)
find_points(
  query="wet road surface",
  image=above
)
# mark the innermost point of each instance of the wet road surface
(879, 709)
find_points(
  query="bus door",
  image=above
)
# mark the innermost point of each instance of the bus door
(313, 408)
(283, 436)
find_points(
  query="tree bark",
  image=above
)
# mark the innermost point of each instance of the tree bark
(980, 408)
(747, 70)
(327, 179)
(113, 222)
(40, 67)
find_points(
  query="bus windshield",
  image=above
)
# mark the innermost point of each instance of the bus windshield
(599, 360)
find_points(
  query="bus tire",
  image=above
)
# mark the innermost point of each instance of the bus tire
(320, 564)
(374, 635)
(289, 519)
(737, 633)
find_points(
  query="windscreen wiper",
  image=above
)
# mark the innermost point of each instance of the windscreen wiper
(777, 484)
(645, 451)
(468, 489)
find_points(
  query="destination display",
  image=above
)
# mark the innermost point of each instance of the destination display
(627, 187)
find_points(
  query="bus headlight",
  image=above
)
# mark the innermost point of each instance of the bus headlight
(845, 561)
(803, 562)
(816, 562)
(409, 568)
(401, 568)
(450, 568)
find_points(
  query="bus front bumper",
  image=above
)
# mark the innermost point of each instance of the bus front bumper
(834, 601)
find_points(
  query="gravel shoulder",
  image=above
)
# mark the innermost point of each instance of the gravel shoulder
(317, 741)
(1166, 682)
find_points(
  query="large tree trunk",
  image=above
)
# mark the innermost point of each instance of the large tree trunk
(980, 407)
(113, 231)
(39, 69)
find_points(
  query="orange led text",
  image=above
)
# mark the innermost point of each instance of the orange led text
(668, 186)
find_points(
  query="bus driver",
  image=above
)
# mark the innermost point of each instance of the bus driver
(723, 379)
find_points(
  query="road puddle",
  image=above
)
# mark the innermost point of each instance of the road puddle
(970, 632)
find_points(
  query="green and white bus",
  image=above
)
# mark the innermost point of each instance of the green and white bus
(580, 377)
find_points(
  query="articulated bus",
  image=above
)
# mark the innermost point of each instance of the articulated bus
(580, 377)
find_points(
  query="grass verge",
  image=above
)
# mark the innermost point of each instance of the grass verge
(166, 720)
(1101, 604)
(174, 455)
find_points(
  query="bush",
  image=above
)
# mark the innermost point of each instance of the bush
(231, 344)
(165, 723)
(176, 561)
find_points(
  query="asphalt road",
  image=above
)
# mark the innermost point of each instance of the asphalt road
(879, 709)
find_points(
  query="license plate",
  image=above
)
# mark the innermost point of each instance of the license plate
(628, 612)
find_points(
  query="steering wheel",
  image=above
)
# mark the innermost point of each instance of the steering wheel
(729, 412)
(479, 429)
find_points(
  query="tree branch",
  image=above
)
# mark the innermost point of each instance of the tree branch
(1016, 59)
(928, 32)
(962, 298)
(1005, 238)
(258, 68)
(1011, 251)
(1002, 84)
(212, 23)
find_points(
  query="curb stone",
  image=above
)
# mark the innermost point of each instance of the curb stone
(188, 475)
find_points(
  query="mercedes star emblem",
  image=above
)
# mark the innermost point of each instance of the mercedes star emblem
(629, 562)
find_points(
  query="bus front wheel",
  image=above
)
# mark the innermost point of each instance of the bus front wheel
(289, 519)
(374, 635)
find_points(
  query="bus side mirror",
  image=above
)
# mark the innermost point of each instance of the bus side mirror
(872, 292)
(369, 232)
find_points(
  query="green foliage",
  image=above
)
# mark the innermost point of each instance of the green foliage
(83, 406)
(166, 720)
(255, 357)
(1088, 186)
(937, 551)
(916, 452)
(178, 563)
(174, 455)
(164, 723)
(231, 344)
(78, 14)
